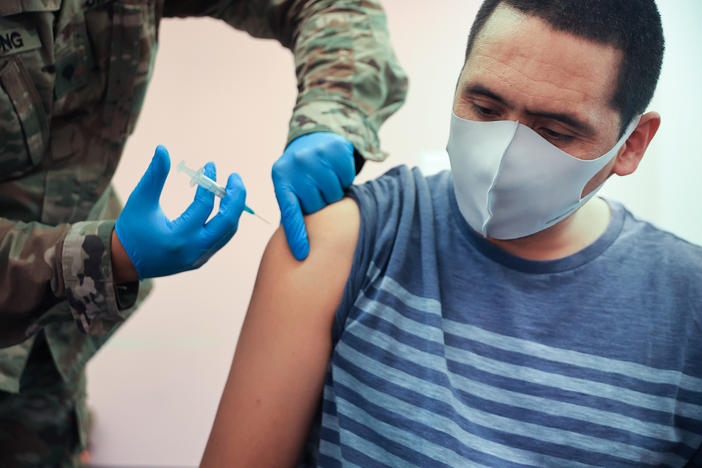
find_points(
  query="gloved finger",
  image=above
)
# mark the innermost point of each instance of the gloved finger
(293, 222)
(306, 190)
(327, 182)
(340, 158)
(230, 208)
(221, 242)
(200, 208)
(151, 184)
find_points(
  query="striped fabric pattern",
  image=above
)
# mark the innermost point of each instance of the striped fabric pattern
(403, 358)
(418, 379)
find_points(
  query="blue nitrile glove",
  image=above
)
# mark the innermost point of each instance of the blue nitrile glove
(158, 246)
(313, 172)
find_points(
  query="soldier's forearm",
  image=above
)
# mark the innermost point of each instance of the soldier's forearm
(43, 265)
(123, 270)
(351, 86)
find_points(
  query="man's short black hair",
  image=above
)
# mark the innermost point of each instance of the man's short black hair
(632, 26)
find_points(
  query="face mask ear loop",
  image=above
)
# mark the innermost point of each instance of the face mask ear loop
(494, 179)
(617, 146)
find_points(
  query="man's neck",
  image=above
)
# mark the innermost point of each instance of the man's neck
(568, 237)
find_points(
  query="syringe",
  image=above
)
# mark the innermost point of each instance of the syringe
(198, 177)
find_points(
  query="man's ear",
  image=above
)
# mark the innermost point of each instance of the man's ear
(632, 152)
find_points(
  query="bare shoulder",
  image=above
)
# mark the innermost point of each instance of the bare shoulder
(334, 228)
(333, 233)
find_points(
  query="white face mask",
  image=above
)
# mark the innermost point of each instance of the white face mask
(510, 182)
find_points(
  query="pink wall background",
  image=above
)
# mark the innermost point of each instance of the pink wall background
(218, 94)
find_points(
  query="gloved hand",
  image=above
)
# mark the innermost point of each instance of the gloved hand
(313, 172)
(158, 246)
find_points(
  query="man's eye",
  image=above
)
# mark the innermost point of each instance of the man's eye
(547, 132)
(484, 111)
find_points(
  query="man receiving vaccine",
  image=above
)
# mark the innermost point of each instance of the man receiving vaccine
(500, 313)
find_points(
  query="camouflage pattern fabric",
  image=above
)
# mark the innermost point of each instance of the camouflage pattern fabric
(348, 78)
(40, 426)
(73, 75)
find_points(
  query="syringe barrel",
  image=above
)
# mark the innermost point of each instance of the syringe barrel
(208, 184)
(199, 178)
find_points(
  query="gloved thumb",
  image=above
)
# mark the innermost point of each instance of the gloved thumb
(293, 223)
(151, 184)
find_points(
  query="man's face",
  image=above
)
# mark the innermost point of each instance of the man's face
(557, 84)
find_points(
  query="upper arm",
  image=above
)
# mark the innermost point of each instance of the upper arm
(260, 18)
(277, 375)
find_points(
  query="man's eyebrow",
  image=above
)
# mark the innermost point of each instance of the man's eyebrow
(568, 119)
(482, 90)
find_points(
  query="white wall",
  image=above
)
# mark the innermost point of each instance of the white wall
(666, 188)
(220, 95)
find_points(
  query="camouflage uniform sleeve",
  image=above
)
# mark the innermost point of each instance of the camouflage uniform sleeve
(348, 77)
(41, 266)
